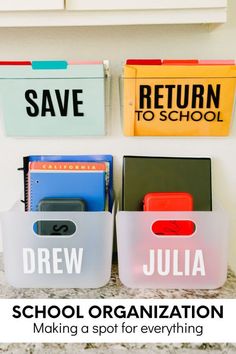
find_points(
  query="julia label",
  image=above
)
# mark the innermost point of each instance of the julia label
(173, 263)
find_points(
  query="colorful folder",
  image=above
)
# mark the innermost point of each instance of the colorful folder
(53, 98)
(179, 98)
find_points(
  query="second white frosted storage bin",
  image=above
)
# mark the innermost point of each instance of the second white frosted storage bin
(82, 260)
(197, 261)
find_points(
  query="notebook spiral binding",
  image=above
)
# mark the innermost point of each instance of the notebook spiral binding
(26, 182)
(22, 200)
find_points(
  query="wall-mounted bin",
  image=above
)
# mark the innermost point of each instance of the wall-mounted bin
(172, 100)
(149, 258)
(54, 98)
(80, 260)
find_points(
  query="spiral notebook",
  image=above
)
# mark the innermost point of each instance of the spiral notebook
(106, 159)
(67, 180)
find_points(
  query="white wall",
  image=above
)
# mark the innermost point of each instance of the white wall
(116, 44)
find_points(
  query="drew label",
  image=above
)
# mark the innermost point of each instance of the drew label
(52, 261)
(184, 103)
(54, 103)
(171, 263)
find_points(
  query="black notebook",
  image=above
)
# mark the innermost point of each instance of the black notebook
(142, 175)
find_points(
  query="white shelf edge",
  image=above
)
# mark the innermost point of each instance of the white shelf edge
(106, 18)
(31, 5)
(94, 5)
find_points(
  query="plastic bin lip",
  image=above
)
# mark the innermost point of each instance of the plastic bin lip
(55, 69)
(172, 213)
(54, 214)
(18, 208)
(217, 208)
(55, 78)
(182, 77)
(178, 71)
(49, 65)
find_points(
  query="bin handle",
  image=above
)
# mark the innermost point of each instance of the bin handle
(54, 228)
(173, 228)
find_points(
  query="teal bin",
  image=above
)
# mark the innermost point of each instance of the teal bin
(54, 98)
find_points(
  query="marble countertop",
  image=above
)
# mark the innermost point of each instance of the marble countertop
(115, 289)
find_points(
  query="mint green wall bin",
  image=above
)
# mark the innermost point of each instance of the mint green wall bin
(54, 99)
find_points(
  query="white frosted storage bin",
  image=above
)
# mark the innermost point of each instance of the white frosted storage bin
(82, 260)
(148, 260)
